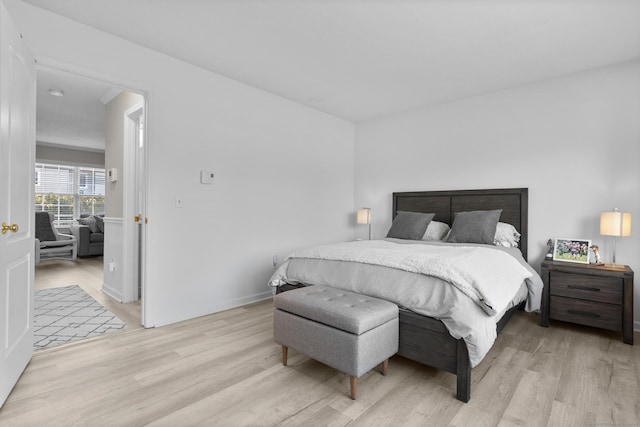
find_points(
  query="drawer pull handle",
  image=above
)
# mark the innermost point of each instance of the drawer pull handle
(583, 313)
(584, 288)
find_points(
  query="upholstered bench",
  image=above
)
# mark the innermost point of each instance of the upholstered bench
(347, 331)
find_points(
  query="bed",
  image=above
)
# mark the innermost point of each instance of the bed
(426, 339)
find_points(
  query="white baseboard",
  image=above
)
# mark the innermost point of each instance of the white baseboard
(107, 290)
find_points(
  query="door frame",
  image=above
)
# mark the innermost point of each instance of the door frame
(134, 204)
(128, 190)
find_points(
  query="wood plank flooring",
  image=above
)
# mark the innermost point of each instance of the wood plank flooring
(224, 369)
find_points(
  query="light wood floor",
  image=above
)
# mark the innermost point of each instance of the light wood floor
(224, 369)
(88, 274)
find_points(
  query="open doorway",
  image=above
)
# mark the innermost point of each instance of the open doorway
(124, 146)
(68, 134)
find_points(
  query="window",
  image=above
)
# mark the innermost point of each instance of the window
(69, 191)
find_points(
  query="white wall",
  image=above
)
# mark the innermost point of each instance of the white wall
(115, 149)
(574, 142)
(113, 283)
(284, 172)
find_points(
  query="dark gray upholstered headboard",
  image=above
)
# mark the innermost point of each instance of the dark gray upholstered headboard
(512, 201)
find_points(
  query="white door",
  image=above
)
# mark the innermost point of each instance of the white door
(133, 206)
(17, 146)
(142, 203)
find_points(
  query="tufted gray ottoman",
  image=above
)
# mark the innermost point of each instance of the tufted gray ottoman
(349, 332)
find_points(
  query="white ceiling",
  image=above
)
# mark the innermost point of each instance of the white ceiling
(75, 120)
(360, 59)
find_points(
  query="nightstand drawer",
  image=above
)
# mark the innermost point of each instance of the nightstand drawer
(606, 316)
(584, 287)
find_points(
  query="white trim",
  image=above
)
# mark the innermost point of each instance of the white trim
(54, 65)
(146, 291)
(131, 249)
(109, 291)
(109, 95)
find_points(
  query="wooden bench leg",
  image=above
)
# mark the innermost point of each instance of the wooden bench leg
(284, 355)
(385, 365)
(354, 387)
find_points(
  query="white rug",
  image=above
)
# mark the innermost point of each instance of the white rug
(67, 314)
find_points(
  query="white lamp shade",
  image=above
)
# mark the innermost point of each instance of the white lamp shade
(363, 216)
(615, 223)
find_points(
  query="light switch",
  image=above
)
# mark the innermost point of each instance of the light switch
(206, 177)
(178, 201)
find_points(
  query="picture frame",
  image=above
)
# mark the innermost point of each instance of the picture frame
(572, 250)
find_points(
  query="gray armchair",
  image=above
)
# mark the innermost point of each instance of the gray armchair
(50, 244)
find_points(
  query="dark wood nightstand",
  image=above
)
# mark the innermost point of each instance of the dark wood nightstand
(599, 296)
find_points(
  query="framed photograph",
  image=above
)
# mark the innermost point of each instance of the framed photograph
(572, 250)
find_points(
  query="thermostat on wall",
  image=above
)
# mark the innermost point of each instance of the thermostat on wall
(112, 174)
(206, 177)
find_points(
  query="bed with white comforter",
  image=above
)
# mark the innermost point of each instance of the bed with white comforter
(466, 286)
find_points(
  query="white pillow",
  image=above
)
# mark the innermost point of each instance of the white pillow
(506, 235)
(436, 231)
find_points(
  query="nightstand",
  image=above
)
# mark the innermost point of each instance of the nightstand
(592, 295)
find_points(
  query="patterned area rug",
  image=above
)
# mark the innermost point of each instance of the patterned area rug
(68, 314)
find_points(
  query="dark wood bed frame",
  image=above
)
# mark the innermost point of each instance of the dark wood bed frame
(426, 339)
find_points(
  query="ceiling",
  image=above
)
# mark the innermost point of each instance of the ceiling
(75, 120)
(361, 59)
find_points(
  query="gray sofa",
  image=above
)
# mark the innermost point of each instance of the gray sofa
(90, 243)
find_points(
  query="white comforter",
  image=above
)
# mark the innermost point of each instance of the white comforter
(468, 287)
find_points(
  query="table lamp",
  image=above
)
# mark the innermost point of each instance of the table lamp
(364, 217)
(615, 224)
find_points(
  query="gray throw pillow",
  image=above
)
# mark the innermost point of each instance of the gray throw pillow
(410, 225)
(44, 230)
(474, 227)
(99, 223)
(90, 222)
